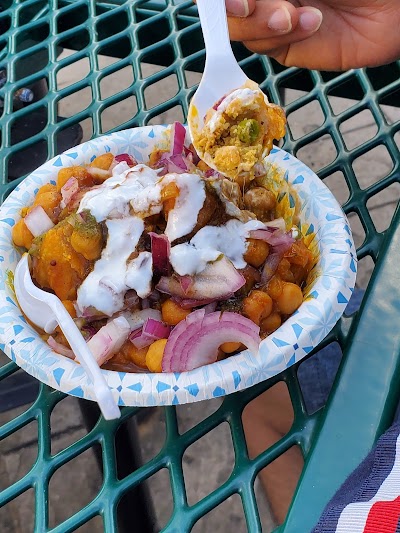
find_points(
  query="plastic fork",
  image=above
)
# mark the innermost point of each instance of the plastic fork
(47, 312)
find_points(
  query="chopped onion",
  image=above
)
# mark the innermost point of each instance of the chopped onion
(131, 299)
(160, 250)
(98, 172)
(109, 339)
(38, 221)
(218, 280)
(152, 330)
(127, 158)
(68, 191)
(194, 342)
(60, 348)
(190, 303)
(186, 282)
(270, 266)
(136, 319)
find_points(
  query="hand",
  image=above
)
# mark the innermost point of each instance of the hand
(319, 34)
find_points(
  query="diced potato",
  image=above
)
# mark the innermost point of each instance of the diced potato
(87, 244)
(21, 235)
(77, 172)
(136, 355)
(103, 161)
(58, 266)
(69, 306)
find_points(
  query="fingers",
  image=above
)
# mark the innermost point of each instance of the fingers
(240, 8)
(276, 23)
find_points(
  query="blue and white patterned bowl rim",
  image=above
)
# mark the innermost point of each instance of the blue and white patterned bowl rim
(325, 302)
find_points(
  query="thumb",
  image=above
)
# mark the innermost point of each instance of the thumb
(240, 8)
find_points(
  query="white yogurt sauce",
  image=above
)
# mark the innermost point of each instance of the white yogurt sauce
(183, 217)
(104, 288)
(136, 187)
(136, 190)
(139, 274)
(209, 243)
(245, 96)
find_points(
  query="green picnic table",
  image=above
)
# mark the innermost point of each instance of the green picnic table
(362, 403)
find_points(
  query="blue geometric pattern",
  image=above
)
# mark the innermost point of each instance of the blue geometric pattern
(330, 286)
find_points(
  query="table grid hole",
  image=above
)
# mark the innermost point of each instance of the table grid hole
(200, 480)
(81, 479)
(382, 206)
(232, 509)
(372, 166)
(325, 149)
(18, 514)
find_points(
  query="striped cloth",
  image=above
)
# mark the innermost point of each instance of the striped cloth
(369, 500)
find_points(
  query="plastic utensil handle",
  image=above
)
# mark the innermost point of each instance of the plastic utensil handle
(104, 397)
(214, 25)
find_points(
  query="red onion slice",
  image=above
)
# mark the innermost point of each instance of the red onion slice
(109, 339)
(194, 342)
(152, 330)
(218, 280)
(38, 221)
(178, 134)
(68, 191)
(160, 250)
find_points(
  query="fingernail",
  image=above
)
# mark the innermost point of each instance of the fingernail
(237, 8)
(280, 20)
(311, 19)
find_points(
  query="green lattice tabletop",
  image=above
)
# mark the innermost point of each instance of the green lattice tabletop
(167, 33)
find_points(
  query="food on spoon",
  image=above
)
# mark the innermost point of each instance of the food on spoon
(239, 131)
(164, 266)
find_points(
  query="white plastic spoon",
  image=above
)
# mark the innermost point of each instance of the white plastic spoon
(46, 311)
(222, 74)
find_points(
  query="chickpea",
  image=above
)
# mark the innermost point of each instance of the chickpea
(227, 158)
(252, 276)
(260, 201)
(172, 313)
(271, 323)
(230, 347)
(284, 271)
(290, 299)
(274, 287)
(256, 253)
(257, 305)
(21, 235)
(155, 355)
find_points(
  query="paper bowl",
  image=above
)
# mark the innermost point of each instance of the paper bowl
(330, 286)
